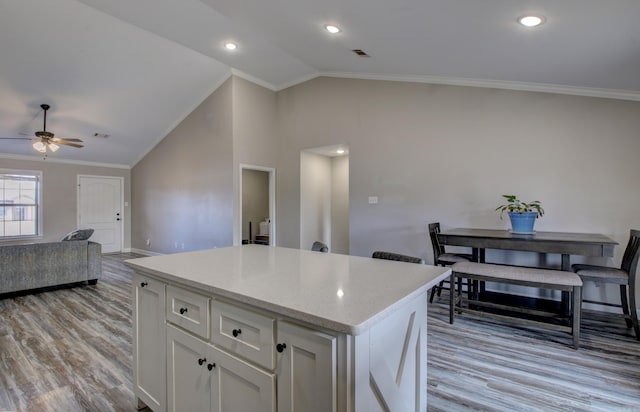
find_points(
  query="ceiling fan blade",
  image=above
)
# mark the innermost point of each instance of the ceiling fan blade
(60, 140)
(16, 138)
(69, 144)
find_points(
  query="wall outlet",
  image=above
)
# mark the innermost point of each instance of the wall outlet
(148, 242)
(373, 200)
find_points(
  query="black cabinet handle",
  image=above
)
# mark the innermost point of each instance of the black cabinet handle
(143, 284)
(201, 361)
(280, 347)
(211, 366)
(236, 332)
(183, 311)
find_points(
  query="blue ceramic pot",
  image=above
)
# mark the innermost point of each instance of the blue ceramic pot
(522, 222)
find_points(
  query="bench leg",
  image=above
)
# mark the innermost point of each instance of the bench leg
(577, 311)
(452, 293)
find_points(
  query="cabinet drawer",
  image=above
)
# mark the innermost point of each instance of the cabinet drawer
(188, 310)
(244, 332)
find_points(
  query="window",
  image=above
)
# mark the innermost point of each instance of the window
(20, 211)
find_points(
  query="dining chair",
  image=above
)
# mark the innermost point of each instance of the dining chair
(625, 277)
(396, 256)
(319, 247)
(440, 257)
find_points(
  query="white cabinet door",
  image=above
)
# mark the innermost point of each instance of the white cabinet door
(189, 372)
(203, 378)
(148, 342)
(306, 370)
(240, 386)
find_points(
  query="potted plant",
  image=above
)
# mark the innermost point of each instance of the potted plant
(523, 215)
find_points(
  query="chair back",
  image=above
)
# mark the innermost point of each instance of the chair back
(319, 247)
(438, 249)
(396, 256)
(631, 255)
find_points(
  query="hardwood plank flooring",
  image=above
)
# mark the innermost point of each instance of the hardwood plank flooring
(482, 364)
(70, 350)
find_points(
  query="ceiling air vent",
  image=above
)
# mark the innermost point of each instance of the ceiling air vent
(360, 53)
(101, 135)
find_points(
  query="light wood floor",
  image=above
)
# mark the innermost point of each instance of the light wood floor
(70, 350)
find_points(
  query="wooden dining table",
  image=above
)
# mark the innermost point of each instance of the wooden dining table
(562, 243)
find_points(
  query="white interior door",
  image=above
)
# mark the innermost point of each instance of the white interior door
(100, 208)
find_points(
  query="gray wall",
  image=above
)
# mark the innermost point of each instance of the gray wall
(254, 136)
(60, 194)
(315, 199)
(185, 191)
(324, 201)
(182, 191)
(429, 152)
(447, 153)
(340, 204)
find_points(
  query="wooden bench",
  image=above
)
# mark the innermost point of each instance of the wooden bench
(515, 275)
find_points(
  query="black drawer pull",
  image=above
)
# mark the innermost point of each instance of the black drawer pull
(201, 361)
(211, 366)
(280, 347)
(183, 311)
(236, 332)
(143, 284)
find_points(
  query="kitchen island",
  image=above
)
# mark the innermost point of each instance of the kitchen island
(275, 329)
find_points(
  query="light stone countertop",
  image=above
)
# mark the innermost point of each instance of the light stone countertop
(346, 294)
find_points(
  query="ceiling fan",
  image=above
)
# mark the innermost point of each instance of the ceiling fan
(47, 140)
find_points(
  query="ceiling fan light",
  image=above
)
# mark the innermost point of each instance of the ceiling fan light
(53, 147)
(41, 147)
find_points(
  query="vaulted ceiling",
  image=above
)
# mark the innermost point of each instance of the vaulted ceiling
(134, 69)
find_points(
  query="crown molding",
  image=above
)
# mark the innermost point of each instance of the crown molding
(492, 84)
(64, 161)
(254, 79)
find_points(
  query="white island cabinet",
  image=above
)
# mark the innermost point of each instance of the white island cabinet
(259, 328)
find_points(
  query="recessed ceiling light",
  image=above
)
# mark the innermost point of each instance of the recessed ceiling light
(230, 46)
(530, 21)
(332, 29)
(340, 151)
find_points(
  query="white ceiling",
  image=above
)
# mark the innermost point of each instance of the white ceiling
(135, 69)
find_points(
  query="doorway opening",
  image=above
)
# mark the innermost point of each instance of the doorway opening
(257, 205)
(324, 197)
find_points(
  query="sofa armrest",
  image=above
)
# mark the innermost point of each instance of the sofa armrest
(94, 261)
